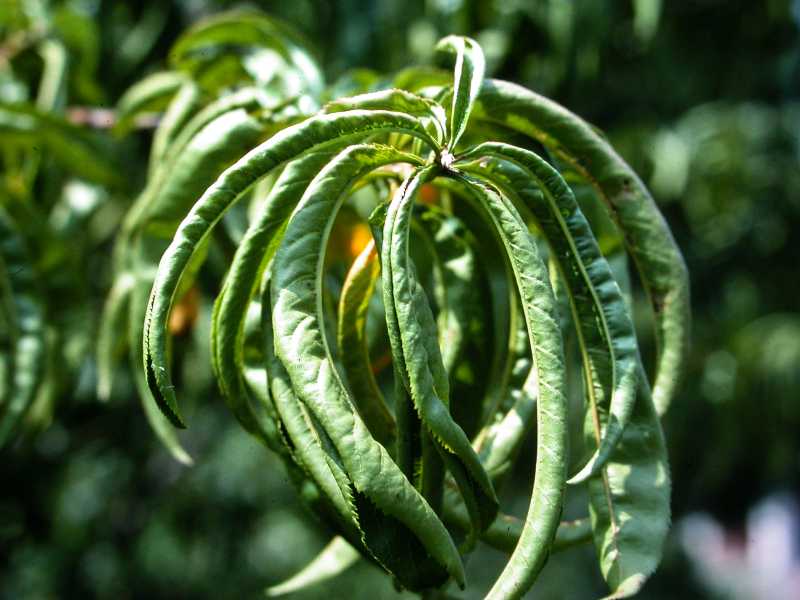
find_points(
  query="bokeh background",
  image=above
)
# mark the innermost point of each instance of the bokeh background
(702, 97)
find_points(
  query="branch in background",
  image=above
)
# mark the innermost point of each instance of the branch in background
(106, 118)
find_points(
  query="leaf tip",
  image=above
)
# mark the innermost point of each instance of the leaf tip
(182, 456)
(164, 399)
(629, 587)
(589, 470)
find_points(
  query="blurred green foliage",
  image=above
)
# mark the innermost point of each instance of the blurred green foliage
(701, 97)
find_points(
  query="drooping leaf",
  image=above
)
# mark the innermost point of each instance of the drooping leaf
(407, 538)
(317, 133)
(354, 300)
(206, 143)
(538, 306)
(303, 455)
(413, 335)
(254, 253)
(501, 303)
(310, 444)
(455, 280)
(629, 503)
(156, 215)
(335, 558)
(500, 440)
(605, 330)
(647, 237)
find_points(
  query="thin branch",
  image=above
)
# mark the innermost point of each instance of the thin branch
(106, 118)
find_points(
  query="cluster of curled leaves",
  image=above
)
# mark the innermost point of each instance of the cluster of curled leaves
(399, 380)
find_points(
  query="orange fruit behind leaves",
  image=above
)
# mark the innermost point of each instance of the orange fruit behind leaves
(184, 313)
(429, 194)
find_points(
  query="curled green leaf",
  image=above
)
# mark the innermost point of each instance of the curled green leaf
(356, 293)
(605, 330)
(408, 539)
(413, 336)
(647, 237)
(629, 504)
(335, 558)
(254, 253)
(538, 306)
(317, 133)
